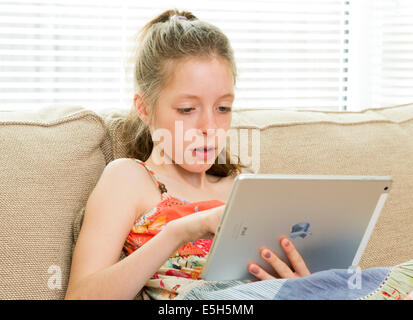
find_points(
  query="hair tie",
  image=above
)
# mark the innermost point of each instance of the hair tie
(176, 17)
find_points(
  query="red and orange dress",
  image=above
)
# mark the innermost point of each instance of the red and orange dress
(181, 272)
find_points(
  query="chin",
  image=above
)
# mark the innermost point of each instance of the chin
(197, 165)
(197, 168)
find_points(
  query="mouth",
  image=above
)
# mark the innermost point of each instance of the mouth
(204, 149)
(203, 152)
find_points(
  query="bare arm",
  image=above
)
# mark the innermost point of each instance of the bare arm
(124, 279)
(96, 272)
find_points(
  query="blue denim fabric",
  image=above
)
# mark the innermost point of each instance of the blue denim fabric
(335, 284)
(236, 290)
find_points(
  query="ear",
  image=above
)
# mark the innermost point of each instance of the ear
(141, 108)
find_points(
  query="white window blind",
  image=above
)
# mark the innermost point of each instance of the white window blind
(381, 46)
(289, 53)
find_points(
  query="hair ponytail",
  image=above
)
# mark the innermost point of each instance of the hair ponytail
(166, 16)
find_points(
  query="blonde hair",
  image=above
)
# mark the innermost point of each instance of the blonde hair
(170, 37)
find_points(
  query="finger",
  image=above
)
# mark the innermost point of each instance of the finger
(279, 266)
(297, 262)
(258, 272)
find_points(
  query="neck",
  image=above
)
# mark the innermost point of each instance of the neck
(166, 167)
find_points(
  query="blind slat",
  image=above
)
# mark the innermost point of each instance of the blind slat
(291, 53)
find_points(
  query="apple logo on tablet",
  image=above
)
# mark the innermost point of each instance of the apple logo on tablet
(300, 230)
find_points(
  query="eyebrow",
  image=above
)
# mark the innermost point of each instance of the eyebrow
(191, 96)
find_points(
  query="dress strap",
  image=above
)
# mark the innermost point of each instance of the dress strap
(161, 186)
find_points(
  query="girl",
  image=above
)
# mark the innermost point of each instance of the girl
(185, 74)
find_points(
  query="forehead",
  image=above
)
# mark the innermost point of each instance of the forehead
(209, 76)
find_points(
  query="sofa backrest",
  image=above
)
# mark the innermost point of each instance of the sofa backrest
(51, 160)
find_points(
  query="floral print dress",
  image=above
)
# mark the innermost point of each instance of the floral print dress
(181, 272)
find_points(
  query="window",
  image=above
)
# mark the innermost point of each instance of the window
(290, 53)
(381, 59)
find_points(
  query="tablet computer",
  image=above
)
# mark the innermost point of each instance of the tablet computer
(328, 218)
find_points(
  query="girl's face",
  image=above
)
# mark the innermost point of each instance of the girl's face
(195, 108)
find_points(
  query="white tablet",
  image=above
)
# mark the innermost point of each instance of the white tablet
(329, 219)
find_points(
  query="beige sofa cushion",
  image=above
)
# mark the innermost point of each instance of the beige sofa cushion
(367, 142)
(50, 162)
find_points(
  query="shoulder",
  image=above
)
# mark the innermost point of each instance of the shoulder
(131, 178)
(121, 191)
(118, 178)
(126, 169)
(124, 165)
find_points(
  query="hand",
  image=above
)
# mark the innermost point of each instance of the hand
(282, 269)
(199, 225)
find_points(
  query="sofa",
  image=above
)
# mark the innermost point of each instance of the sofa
(52, 158)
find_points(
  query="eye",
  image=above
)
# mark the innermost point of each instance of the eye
(185, 110)
(224, 109)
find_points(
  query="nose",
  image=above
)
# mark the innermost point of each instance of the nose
(207, 122)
